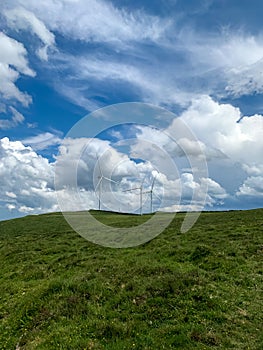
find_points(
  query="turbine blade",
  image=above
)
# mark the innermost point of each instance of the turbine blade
(100, 179)
(153, 183)
(143, 180)
(156, 195)
(132, 189)
(154, 179)
(108, 179)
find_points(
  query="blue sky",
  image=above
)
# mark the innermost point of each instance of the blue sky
(62, 60)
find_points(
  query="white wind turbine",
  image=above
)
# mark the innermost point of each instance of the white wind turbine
(141, 193)
(101, 177)
(152, 192)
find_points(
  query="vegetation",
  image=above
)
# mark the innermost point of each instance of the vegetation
(198, 290)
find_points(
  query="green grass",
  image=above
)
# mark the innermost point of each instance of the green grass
(198, 290)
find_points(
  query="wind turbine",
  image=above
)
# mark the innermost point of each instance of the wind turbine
(99, 184)
(152, 192)
(141, 193)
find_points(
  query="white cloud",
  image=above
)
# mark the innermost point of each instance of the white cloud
(223, 64)
(226, 62)
(244, 73)
(8, 89)
(230, 62)
(214, 190)
(10, 207)
(96, 21)
(82, 154)
(14, 53)
(205, 192)
(26, 178)
(252, 187)
(192, 195)
(237, 138)
(246, 80)
(100, 21)
(222, 127)
(229, 142)
(143, 80)
(24, 209)
(227, 50)
(17, 116)
(16, 119)
(42, 141)
(217, 127)
(13, 63)
(181, 145)
(77, 94)
(20, 18)
(10, 194)
(253, 169)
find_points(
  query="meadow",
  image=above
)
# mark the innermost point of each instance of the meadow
(197, 290)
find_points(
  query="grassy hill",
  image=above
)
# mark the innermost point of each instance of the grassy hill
(198, 290)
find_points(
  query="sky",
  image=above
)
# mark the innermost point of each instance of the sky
(100, 97)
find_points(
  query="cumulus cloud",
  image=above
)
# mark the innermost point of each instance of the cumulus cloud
(253, 169)
(252, 187)
(88, 159)
(26, 178)
(223, 127)
(220, 133)
(174, 142)
(214, 191)
(230, 143)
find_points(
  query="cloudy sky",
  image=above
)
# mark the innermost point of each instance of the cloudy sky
(194, 69)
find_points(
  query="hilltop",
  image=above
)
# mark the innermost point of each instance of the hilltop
(197, 290)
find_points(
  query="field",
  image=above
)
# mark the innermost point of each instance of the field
(199, 290)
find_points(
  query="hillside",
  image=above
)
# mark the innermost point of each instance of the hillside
(198, 290)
